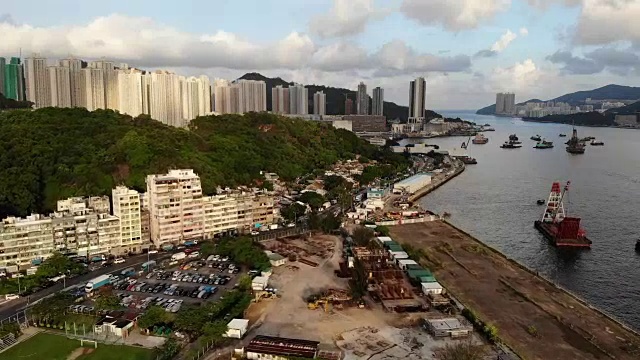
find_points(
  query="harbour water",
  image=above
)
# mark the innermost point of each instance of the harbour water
(496, 202)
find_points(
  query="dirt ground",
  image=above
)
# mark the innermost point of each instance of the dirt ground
(527, 311)
(370, 333)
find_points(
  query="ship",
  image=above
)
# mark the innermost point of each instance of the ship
(638, 245)
(488, 129)
(480, 139)
(511, 145)
(562, 231)
(513, 137)
(574, 145)
(596, 143)
(468, 160)
(563, 135)
(536, 138)
(543, 144)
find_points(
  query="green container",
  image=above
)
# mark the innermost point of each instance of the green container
(427, 279)
(395, 247)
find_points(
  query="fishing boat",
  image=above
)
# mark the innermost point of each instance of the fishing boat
(596, 143)
(555, 226)
(541, 202)
(513, 137)
(574, 145)
(536, 138)
(543, 144)
(480, 139)
(510, 145)
(488, 129)
(468, 160)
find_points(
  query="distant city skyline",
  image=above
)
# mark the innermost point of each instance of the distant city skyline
(468, 49)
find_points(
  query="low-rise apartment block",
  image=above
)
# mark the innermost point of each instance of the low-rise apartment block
(126, 206)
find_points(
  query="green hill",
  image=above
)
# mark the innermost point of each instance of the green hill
(625, 110)
(335, 98)
(593, 118)
(53, 153)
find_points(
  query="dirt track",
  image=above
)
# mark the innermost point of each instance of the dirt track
(535, 318)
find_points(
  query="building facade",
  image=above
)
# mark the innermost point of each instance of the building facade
(94, 88)
(126, 206)
(417, 99)
(3, 63)
(254, 95)
(362, 100)
(37, 81)
(505, 104)
(348, 106)
(280, 100)
(60, 83)
(14, 86)
(298, 100)
(319, 103)
(130, 100)
(166, 100)
(378, 101)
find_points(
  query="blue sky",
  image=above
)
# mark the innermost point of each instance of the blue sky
(467, 49)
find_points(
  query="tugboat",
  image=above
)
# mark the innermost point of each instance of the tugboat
(536, 138)
(544, 145)
(563, 135)
(561, 230)
(596, 143)
(511, 145)
(574, 145)
(468, 160)
(480, 139)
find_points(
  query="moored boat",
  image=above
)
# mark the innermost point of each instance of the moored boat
(574, 145)
(596, 143)
(480, 139)
(563, 135)
(536, 138)
(543, 144)
(510, 145)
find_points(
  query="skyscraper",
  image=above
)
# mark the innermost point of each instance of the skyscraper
(3, 63)
(130, 100)
(94, 88)
(417, 98)
(280, 100)
(60, 83)
(362, 100)
(319, 103)
(166, 102)
(204, 95)
(14, 87)
(37, 81)
(505, 103)
(190, 98)
(78, 91)
(254, 95)
(348, 106)
(378, 101)
(221, 96)
(298, 100)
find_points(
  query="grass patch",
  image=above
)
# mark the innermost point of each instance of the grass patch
(55, 347)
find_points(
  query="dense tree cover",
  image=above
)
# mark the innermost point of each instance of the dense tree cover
(154, 315)
(211, 318)
(54, 153)
(324, 222)
(293, 212)
(107, 300)
(373, 172)
(313, 199)
(362, 236)
(244, 251)
(55, 265)
(52, 309)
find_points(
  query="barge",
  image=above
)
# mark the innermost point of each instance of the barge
(559, 229)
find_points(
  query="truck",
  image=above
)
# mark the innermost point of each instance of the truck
(179, 256)
(148, 265)
(128, 272)
(96, 283)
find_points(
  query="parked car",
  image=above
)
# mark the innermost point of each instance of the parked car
(118, 261)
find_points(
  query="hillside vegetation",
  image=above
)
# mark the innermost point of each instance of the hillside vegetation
(52, 153)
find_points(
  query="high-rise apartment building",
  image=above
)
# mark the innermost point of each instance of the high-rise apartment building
(190, 98)
(505, 104)
(280, 100)
(348, 106)
(3, 63)
(417, 99)
(166, 101)
(298, 100)
(130, 100)
(227, 97)
(14, 86)
(93, 79)
(362, 100)
(254, 95)
(126, 206)
(378, 101)
(146, 93)
(175, 206)
(78, 90)
(110, 82)
(60, 83)
(319, 103)
(37, 81)
(204, 95)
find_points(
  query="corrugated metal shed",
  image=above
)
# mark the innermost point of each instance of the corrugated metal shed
(417, 274)
(394, 247)
(427, 279)
(384, 239)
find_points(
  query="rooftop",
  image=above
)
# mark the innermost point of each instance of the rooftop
(283, 346)
(238, 324)
(447, 324)
(415, 179)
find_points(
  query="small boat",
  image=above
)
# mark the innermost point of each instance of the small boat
(468, 160)
(563, 135)
(486, 125)
(544, 145)
(480, 139)
(541, 202)
(536, 138)
(510, 145)
(596, 143)
(488, 129)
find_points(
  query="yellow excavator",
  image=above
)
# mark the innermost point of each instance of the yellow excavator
(319, 303)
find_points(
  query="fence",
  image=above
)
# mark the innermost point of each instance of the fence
(7, 341)
(19, 317)
(274, 234)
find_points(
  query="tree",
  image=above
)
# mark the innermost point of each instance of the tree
(107, 301)
(244, 251)
(462, 351)
(53, 308)
(358, 283)
(362, 236)
(293, 211)
(330, 222)
(207, 248)
(154, 315)
(313, 199)
(191, 319)
(382, 230)
(244, 282)
(168, 350)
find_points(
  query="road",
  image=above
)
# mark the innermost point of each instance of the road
(14, 306)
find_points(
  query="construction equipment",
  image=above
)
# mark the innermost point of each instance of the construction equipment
(318, 303)
(259, 295)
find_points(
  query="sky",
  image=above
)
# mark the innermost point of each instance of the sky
(467, 49)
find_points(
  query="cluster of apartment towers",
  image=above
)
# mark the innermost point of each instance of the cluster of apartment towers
(172, 210)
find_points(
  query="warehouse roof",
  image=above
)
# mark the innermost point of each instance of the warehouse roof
(416, 179)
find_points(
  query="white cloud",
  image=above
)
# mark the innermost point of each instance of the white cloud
(396, 57)
(340, 56)
(607, 21)
(346, 17)
(519, 76)
(453, 15)
(504, 41)
(544, 4)
(524, 31)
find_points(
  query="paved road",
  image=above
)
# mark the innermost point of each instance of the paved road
(14, 306)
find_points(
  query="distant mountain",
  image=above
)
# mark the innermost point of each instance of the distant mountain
(491, 109)
(608, 92)
(335, 98)
(625, 110)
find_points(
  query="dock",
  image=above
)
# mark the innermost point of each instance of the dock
(535, 318)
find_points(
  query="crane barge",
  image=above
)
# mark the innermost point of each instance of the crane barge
(559, 229)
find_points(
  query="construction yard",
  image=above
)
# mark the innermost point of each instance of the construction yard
(361, 333)
(528, 311)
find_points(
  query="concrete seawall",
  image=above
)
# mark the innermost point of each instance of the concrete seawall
(429, 188)
(544, 279)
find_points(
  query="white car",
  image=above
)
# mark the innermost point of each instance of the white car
(153, 251)
(11, 296)
(194, 254)
(118, 261)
